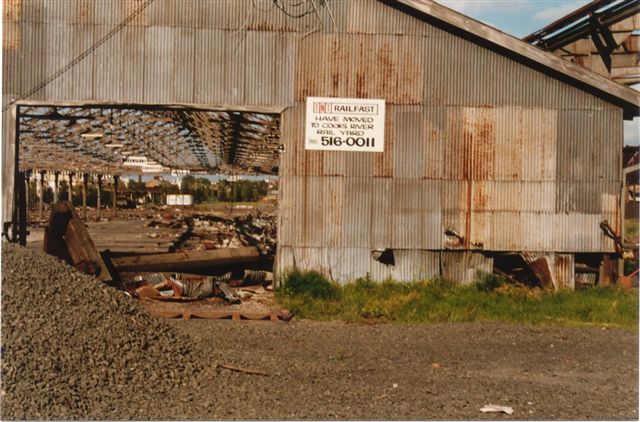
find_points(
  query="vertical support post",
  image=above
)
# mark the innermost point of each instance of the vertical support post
(17, 185)
(41, 198)
(606, 270)
(99, 199)
(116, 178)
(27, 179)
(21, 234)
(70, 192)
(85, 183)
(56, 176)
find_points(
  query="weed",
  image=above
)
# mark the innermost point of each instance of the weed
(310, 295)
(311, 284)
(486, 282)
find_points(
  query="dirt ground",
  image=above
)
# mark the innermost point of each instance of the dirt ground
(326, 370)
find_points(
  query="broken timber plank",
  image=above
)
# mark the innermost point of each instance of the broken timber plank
(67, 238)
(177, 261)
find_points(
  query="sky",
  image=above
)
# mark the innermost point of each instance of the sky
(523, 17)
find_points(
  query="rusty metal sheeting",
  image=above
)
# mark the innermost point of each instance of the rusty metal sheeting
(488, 174)
(452, 77)
(340, 264)
(361, 66)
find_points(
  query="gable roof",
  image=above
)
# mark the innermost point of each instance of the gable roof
(522, 52)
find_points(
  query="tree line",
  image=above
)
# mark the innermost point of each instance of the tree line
(202, 189)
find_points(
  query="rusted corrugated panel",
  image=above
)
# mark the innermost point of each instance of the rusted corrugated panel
(565, 271)
(456, 148)
(115, 12)
(589, 197)
(416, 214)
(31, 68)
(575, 232)
(529, 196)
(383, 161)
(288, 210)
(510, 159)
(334, 201)
(77, 12)
(65, 43)
(218, 76)
(12, 58)
(313, 206)
(292, 140)
(479, 135)
(359, 66)
(381, 213)
(357, 212)
(462, 267)
(539, 144)
(407, 229)
(169, 65)
(336, 163)
(270, 68)
(343, 265)
(574, 140)
(366, 17)
(410, 265)
(409, 147)
(119, 66)
(461, 73)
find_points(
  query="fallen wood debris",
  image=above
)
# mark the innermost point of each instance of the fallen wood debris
(243, 370)
(67, 238)
(186, 261)
(494, 408)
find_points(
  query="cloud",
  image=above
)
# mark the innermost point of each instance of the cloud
(632, 132)
(552, 13)
(470, 7)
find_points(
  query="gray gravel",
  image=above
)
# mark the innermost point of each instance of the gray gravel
(73, 348)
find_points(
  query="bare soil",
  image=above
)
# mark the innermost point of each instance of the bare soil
(328, 370)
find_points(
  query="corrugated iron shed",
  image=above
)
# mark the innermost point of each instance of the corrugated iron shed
(512, 148)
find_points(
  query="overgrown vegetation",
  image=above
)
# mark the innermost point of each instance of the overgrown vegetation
(310, 295)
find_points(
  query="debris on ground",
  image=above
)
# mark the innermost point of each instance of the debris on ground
(493, 408)
(207, 232)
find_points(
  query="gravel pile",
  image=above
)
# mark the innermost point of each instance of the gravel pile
(73, 348)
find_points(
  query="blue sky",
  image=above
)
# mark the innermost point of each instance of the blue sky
(522, 17)
(515, 17)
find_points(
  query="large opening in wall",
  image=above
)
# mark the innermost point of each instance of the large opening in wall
(148, 180)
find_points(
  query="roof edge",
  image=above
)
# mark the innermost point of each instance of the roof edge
(510, 46)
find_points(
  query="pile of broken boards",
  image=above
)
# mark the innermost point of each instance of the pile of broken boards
(195, 296)
(165, 283)
(208, 232)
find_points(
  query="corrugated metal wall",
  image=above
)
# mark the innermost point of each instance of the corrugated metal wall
(476, 143)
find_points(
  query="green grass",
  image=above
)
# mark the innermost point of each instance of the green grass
(311, 296)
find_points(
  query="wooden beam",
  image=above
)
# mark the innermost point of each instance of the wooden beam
(85, 183)
(67, 238)
(185, 261)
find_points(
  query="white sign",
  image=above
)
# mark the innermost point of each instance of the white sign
(344, 124)
(153, 168)
(135, 161)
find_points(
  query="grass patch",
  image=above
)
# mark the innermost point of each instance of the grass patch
(310, 295)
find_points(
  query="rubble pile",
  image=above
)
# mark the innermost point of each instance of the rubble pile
(212, 232)
(74, 348)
